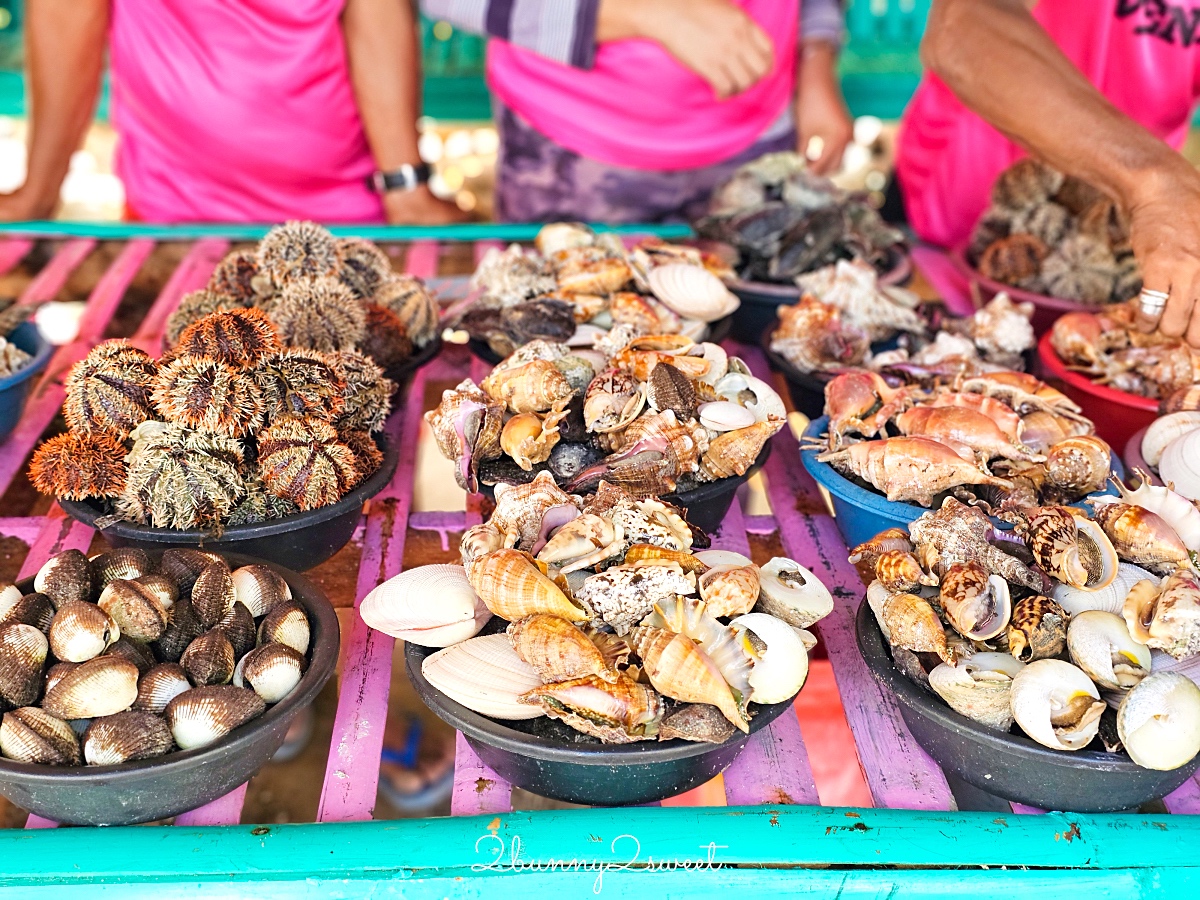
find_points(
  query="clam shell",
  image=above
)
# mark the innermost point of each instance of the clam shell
(183, 566)
(260, 588)
(55, 673)
(125, 562)
(1100, 644)
(979, 687)
(692, 291)
(431, 606)
(161, 587)
(81, 631)
(159, 686)
(32, 735)
(137, 609)
(714, 558)
(213, 594)
(486, 675)
(10, 596)
(138, 654)
(1179, 467)
(272, 671)
(238, 627)
(1159, 721)
(23, 651)
(782, 668)
(287, 624)
(722, 415)
(98, 687)
(209, 659)
(792, 593)
(1109, 599)
(124, 737)
(512, 586)
(32, 609)
(184, 627)
(206, 714)
(1056, 704)
(1164, 430)
(730, 591)
(65, 577)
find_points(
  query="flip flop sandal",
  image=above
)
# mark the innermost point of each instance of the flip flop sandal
(430, 793)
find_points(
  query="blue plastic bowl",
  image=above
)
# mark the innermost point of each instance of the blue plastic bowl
(861, 513)
(14, 390)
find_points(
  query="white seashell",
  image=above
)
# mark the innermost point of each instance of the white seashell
(1056, 704)
(558, 236)
(763, 400)
(1159, 721)
(696, 329)
(585, 336)
(718, 361)
(790, 592)
(877, 596)
(807, 638)
(597, 359)
(1109, 599)
(1099, 643)
(10, 596)
(782, 668)
(431, 606)
(722, 415)
(59, 322)
(1179, 467)
(979, 687)
(1179, 512)
(715, 558)
(692, 291)
(1164, 430)
(485, 675)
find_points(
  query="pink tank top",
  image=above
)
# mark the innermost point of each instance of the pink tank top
(1141, 54)
(638, 107)
(237, 111)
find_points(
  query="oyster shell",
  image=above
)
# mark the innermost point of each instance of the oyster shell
(486, 675)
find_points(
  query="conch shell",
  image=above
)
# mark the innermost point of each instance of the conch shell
(528, 438)
(1166, 617)
(729, 591)
(466, 426)
(582, 543)
(537, 386)
(431, 606)
(680, 669)
(558, 651)
(617, 712)
(912, 624)
(1142, 537)
(899, 572)
(731, 453)
(526, 514)
(512, 586)
(727, 646)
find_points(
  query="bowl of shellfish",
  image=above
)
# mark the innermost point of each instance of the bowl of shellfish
(658, 415)
(590, 650)
(1162, 461)
(23, 354)
(1049, 665)
(138, 686)
(575, 285)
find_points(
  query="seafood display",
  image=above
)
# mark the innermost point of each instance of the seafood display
(118, 658)
(1056, 235)
(231, 428)
(577, 285)
(785, 221)
(12, 314)
(653, 414)
(1082, 630)
(614, 622)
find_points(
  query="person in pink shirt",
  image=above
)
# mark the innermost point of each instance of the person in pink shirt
(255, 110)
(1101, 90)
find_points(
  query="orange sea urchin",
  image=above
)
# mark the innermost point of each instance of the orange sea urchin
(109, 389)
(239, 337)
(367, 455)
(300, 383)
(320, 314)
(76, 465)
(194, 307)
(386, 340)
(237, 277)
(303, 460)
(208, 395)
(298, 250)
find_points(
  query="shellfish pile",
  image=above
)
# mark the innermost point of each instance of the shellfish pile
(1073, 627)
(653, 414)
(784, 221)
(12, 358)
(230, 429)
(1055, 235)
(118, 659)
(617, 624)
(576, 285)
(999, 439)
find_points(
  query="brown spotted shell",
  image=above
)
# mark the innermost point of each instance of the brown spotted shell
(671, 389)
(32, 735)
(898, 571)
(109, 389)
(1038, 629)
(302, 460)
(125, 737)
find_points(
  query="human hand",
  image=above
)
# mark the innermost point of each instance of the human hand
(820, 110)
(420, 207)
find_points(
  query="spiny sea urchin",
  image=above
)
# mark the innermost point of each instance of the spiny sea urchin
(364, 267)
(209, 395)
(413, 305)
(194, 307)
(368, 394)
(367, 455)
(386, 340)
(298, 250)
(180, 478)
(109, 389)
(76, 465)
(239, 337)
(237, 277)
(320, 314)
(300, 383)
(259, 505)
(303, 460)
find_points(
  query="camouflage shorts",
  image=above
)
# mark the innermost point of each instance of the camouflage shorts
(539, 181)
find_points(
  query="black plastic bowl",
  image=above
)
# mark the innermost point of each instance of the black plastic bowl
(594, 774)
(1009, 765)
(14, 390)
(298, 542)
(401, 374)
(159, 788)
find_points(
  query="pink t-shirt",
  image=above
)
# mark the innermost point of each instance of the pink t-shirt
(639, 108)
(1141, 54)
(237, 110)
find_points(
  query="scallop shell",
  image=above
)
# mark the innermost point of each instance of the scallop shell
(238, 627)
(792, 593)
(1056, 704)
(98, 687)
(159, 686)
(912, 624)
(782, 667)
(486, 675)
(183, 566)
(213, 594)
(979, 687)
(1179, 467)
(1100, 644)
(124, 562)
(209, 659)
(1037, 630)
(1164, 430)
(512, 586)
(1109, 599)
(1159, 721)
(124, 737)
(431, 606)
(287, 624)
(678, 668)
(136, 609)
(730, 591)
(722, 415)
(32, 609)
(81, 631)
(32, 735)
(206, 714)
(64, 577)
(272, 671)
(692, 291)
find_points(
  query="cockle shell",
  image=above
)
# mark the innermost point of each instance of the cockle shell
(618, 712)
(32, 735)
(209, 659)
(56, 672)
(559, 651)
(64, 577)
(159, 686)
(537, 386)
(692, 291)
(259, 588)
(1109, 599)
(213, 594)
(287, 624)
(1037, 629)
(98, 687)
(791, 592)
(238, 626)
(1179, 466)
(124, 562)
(125, 737)
(206, 714)
(979, 687)
(185, 626)
(1167, 616)
(138, 611)
(782, 668)
(913, 625)
(272, 671)
(722, 415)
(161, 587)
(1056, 704)
(977, 604)
(32, 609)
(1164, 430)
(622, 596)
(1142, 537)
(136, 652)
(486, 675)
(23, 651)
(729, 591)
(730, 649)
(183, 566)
(1159, 721)
(1175, 509)
(512, 586)
(431, 606)
(678, 668)
(1100, 644)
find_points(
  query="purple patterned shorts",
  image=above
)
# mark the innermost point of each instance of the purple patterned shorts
(539, 181)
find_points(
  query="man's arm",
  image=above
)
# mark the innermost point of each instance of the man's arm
(64, 57)
(1002, 64)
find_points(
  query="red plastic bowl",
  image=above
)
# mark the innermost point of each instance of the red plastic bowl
(1117, 414)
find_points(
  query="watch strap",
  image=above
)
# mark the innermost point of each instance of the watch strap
(403, 178)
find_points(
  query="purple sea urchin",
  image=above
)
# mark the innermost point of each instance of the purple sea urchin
(412, 304)
(320, 314)
(298, 250)
(303, 460)
(209, 395)
(300, 383)
(194, 307)
(367, 455)
(109, 389)
(364, 267)
(239, 337)
(368, 394)
(76, 465)
(237, 277)
(386, 340)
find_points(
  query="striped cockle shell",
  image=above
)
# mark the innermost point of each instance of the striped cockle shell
(32, 735)
(185, 626)
(272, 671)
(159, 686)
(183, 566)
(64, 577)
(209, 659)
(23, 651)
(238, 626)
(260, 588)
(431, 606)
(32, 609)
(81, 631)
(137, 653)
(287, 624)
(213, 594)
(125, 737)
(98, 687)
(55, 673)
(203, 715)
(123, 562)
(163, 587)
(486, 675)
(137, 609)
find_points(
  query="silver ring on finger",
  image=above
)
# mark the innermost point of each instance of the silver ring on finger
(1152, 302)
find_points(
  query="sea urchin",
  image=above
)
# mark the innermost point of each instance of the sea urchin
(302, 460)
(76, 465)
(209, 395)
(298, 250)
(239, 337)
(413, 305)
(368, 393)
(109, 389)
(300, 383)
(364, 267)
(194, 307)
(237, 277)
(320, 314)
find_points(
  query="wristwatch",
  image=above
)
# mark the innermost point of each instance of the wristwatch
(404, 178)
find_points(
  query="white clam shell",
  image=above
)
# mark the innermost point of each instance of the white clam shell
(783, 667)
(1108, 599)
(557, 236)
(790, 592)
(718, 361)
(692, 291)
(10, 596)
(431, 606)
(1100, 644)
(1164, 430)
(722, 415)
(766, 404)
(484, 674)
(1159, 721)
(979, 687)
(1043, 691)
(696, 329)
(715, 558)
(1180, 465)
